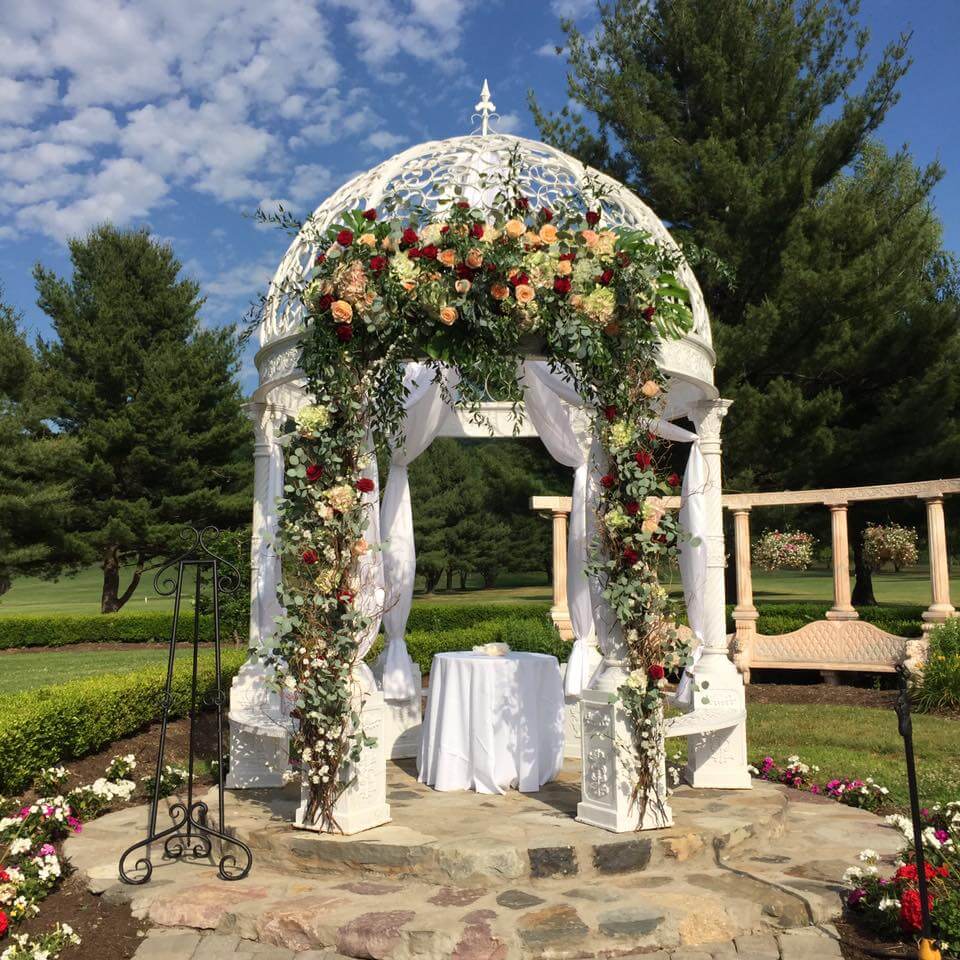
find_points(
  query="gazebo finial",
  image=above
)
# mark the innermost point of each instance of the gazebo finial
(485, 108)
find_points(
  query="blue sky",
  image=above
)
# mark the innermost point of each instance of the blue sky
(186, 116)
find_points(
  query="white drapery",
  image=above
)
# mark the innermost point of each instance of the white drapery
(369, 589)
(425, 413)
(554, 408)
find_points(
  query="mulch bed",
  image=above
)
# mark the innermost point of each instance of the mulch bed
(820, 694)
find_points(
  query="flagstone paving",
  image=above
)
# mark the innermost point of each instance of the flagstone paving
(753, 875)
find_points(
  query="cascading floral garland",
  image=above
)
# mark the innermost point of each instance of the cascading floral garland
(472, 288)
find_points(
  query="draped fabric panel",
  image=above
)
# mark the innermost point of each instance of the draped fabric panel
(554, 408)
(425, 413)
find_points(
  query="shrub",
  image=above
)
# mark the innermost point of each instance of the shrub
(41, 727)
(775, 618)
(939, 685)
(59, 631)
(443, 616)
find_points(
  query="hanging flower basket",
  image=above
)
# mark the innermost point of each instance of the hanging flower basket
(784, 550)
(889, 544)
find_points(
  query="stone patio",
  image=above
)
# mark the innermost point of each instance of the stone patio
(748, 874)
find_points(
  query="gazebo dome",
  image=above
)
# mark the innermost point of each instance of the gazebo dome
(429, 172)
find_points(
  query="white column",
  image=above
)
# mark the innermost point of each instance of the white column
(716, 759)
(940, 609)
(842, 608)
(259, 743)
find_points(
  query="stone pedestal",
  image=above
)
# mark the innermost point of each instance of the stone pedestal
(609, 773)
(402, 724)
(259, 731)
(363, 804)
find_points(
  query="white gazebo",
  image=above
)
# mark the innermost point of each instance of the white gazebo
(714, 721)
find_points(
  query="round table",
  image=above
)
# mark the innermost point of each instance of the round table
(492, 723)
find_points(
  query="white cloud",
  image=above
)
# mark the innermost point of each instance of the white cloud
(548, 49)
(22, 100)
(90, 125)
(507, 123)
(310, 184)
(573, 9)
(385, 140)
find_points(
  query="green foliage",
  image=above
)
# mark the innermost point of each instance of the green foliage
(35, 464)
(43, 727)
(900, 620)
(438, 617)
(939, 685)
(67, 629)
(149, 398)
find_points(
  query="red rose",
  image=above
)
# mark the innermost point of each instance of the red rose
(610, 413)
(655, 672)
(464, 272)
(648, 313)
(409, 237)
(659, 538)
(643, 459)
(377, 263)
(546, 213)
(523, 203)
(429, 252)
(561, 285)
(490, 266)
(674, 479)
(319, 258)
(593, 218)
(370, 214)
(324, 302)
(445, 228)
(364, 485)
(314, 472)
(413, 252)
(630, 556)
(4, 923)
(624, 258)
(633, 508)
(344, 332)
(607, 480)
(463, 205)
(345, 596)
(519, 278)
(309, 557)
(476, 231)
(567, 256)
(605, 278)
(345, 238)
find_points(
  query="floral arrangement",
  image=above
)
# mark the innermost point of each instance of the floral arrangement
(889, 906)
(889, 544)
(472, 288)
(30, 866)
(864, 794)
(784, 550)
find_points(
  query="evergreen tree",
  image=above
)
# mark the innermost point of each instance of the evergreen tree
(150, 398)
(35, 497)
(835, 315)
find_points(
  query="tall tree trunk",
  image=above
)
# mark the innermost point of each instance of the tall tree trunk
(449, 578)
(862, 594)
(111, 600)
(490, 578)
(463, 579)
(430, 581)
(6, 581)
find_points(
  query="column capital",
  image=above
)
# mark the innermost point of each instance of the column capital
(708, 417)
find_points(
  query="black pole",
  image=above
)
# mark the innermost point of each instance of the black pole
(905, 724)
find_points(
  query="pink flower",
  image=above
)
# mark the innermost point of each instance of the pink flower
(47, 850)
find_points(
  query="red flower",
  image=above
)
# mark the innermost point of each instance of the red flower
(445, 228)
(310, 557)
(464, 272)
(476, 231)
(429, 252)
(519, 278)
(413, 252)
(567, 256)
(319, 258)
(648, 313)
(314, 472)
(674, 479)
(409, 237)
(610, 412)
(463, 205)
(489, 266)
(643, 459)
(605, 278)
(370, 214)
(608, 480)
(630, 556)
(4, 923)
(593, 218)
(364, 485)
(523, 203)
(344, 332)
(546, 213)
(911, 919)
(345, 596)
(561, 285)
(655, 671)
(633, 508)
(624, 258)
(345, 238)
(377, 263)
(324, 302)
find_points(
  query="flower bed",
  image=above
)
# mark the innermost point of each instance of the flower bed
(793, 772)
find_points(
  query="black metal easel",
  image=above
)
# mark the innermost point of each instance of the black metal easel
(191, 834)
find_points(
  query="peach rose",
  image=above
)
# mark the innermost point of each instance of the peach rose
(474, 259)
(409, 285)
(462, 286)
(548, 233)
(564, 268)
(447, 257)
(575, 301)
(341, 311)
(650, 389)
(531, 239)
(368, 239)
(524, 293)
(500, 291)
(359, 548)
(387, 243)
(490, 234)
(448, 315)
(515, 228)
(589, 237)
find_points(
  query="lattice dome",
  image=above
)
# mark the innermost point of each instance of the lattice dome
(429, 172)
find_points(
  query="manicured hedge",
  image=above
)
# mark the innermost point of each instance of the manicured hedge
(60, 631)
(39, 728)
(900, 620)
(450, 616)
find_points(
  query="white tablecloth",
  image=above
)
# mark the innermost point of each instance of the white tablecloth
(492, 722)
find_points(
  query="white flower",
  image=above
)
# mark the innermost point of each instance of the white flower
(637, 680)
(889, 903)
(20, 845)
(869, 856)
(852, 876)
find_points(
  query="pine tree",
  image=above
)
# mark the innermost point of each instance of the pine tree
(35, 498)
(151, 399)
(835, 311)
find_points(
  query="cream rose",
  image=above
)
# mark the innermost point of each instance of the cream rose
(368, 239)
(515, 228)
(474, 259)
(341, 311)
(448, 316)
(589, 237)
(564, 268)
(462, 286)
(548, 233)
(524, 293)
(342, 497)
(650, 389)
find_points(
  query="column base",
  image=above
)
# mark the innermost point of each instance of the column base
(561, 620)
(936, 614)
(850, 614)
(402, 727)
